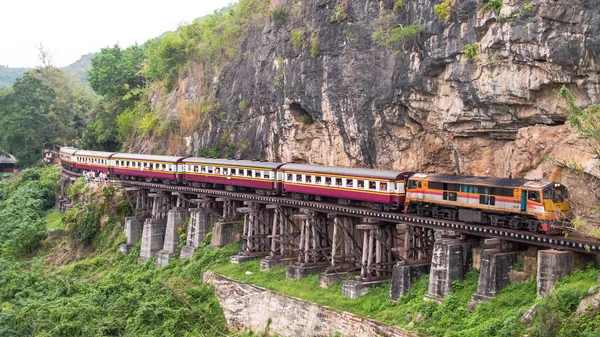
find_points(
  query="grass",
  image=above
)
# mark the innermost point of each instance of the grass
(499, 317)
(53, 220)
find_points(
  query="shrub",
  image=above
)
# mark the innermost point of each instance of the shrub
(297, 38)
(470, 51)
(314, 44)
(339, 13)
(492, 5)
(279, 14)
(243, 106)
(443, 10)
(397, 5)
(397, 36)
(207, 152)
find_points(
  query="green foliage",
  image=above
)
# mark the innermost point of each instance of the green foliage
(314, 43)
(115, 71)
(340, 14)
(492, 5)
(397, 5)
(148, 123)
(43, 107)
(208, 152)
(53, 220)
(396, 37)
(554, 313)
(443, 9)
(279, 81)
(280, 14)
(77, 189)
(243, 106)
(297, 38)
(471, 51)
(23, 203)
(166, 57)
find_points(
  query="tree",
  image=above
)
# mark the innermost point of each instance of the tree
(116, 72)
(24, 120)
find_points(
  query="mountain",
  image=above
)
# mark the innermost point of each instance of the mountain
(9, 75)
(77, 70)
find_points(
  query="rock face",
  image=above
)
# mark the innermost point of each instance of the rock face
(315, 87)
(250, 307)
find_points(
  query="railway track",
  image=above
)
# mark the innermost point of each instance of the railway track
(571, 243)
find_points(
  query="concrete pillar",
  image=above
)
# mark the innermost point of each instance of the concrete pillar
(222, 234)
(450, 262)
(552, 265)
(153, 237)
(133, 229)
(403, 276)
(175, 219)
(201, 222)
(494, 274)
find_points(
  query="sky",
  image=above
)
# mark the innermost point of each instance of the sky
(69, 29)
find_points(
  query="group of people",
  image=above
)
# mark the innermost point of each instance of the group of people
(95, 175)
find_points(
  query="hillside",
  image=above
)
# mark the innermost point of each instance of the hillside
(77, 70)
(9, 75)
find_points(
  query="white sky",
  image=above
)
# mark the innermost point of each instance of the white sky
(69, 28)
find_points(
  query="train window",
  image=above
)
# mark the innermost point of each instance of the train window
(453, 187)
(241, 172)
(338, 182)
(309, 179)
(505, 192)
(267, 175)
(225, 171)
(290, 177)
(209, 169)
(475, 189)
(127, 164)
(234, 172)
(195, 168)
(299, 178)
(372, 185)
(164, 167)
(327, 181)
(383, 186)
(533, 196)
(360, 184)
(413, 184)
(257, 174)
(217, 170)
(249, 173)
(203, 169)
(434, 185)
(349, 182)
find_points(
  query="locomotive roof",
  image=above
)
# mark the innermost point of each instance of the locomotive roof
(233, 162)
(147, 157)
(68, 150)
(99, 154)
(346, 171)
(479, 180)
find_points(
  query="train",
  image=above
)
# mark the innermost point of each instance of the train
(521, 204)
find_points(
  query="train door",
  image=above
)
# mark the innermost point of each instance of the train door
(523, 200)
(419, 192)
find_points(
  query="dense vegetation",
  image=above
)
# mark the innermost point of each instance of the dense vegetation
(42, 108)
(79, 285)
(23, 201)
(499, 317)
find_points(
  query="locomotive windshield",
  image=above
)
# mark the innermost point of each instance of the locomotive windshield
(556, 193)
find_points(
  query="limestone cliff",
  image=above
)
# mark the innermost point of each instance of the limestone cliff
(311, 84)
